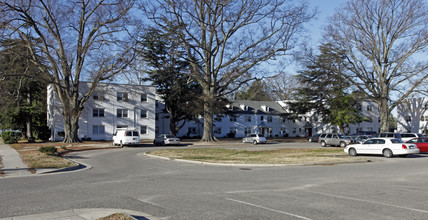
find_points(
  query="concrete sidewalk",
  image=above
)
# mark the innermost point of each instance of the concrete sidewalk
(12, 162)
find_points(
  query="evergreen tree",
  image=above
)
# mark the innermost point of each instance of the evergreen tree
(256, 92)
(326, 91)
(23, 90)
(169, 74)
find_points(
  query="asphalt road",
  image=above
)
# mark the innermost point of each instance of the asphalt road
(394, 188)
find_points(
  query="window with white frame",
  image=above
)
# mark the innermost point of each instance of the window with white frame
(217, 130)
(122, 113)
(262, 117)
(143, 129)
(369, 108)
(122, 96)
(98, 112)
(98, 96)
(143, 97)
(248, 118)
(247, 131)
(98, 129)
(191, 130)
(217, 118)
(143, 113)
(233, 130)
(269, 118)
(232, 118)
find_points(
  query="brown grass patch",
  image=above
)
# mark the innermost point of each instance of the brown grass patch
(281, 156)
(33, 158)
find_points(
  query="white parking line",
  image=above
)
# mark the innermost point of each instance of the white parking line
(266, 208)
(368, 201)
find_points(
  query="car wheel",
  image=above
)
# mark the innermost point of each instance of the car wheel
(163, 143)
(121, 144)
(387, 153)
(323, 144)
(352, 152)
(342, 144)
(254, 142)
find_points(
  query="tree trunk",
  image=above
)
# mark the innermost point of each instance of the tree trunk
(384, 114)
(208, 135)
(71, 125)
(29, 122)
(172, 123)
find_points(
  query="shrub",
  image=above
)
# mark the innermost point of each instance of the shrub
(48, 150)
(42, 133)
(10, 137)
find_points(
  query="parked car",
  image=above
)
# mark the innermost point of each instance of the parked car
(125, 136)
(388, 135)
(254, 138)
(314, 138)
(407, 136)
(421, 143)
(367, 133)
(335, 140)
(360, 138)
(166, 139)
(388, 147)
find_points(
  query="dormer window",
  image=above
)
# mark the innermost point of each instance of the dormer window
(265, 108)
(244, 107)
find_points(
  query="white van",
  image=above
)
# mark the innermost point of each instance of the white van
(126, 136)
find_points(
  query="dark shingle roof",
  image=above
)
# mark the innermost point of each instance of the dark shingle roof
(257, 107)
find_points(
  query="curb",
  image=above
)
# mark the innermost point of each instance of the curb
(250, 165)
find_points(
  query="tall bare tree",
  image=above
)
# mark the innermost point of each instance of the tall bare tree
(79, 39)
(383, 40)
(227, 40)
(283, 86)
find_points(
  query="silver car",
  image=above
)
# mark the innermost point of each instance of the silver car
(254, 138)
(166, 139)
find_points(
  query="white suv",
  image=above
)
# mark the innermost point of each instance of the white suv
(407, 136)
(125, 136)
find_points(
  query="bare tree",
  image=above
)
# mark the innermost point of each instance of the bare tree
(382, 40)
(80, 39)
(227, 40)
(283, 86)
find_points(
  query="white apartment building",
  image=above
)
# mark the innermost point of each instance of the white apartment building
(111, 106)
(270, 119)
(412, 116)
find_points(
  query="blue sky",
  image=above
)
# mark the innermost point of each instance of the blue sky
(326, 8)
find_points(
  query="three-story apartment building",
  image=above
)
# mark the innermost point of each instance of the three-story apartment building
(111, 106)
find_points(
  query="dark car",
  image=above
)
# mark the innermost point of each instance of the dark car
(314, 138)
(421, 143)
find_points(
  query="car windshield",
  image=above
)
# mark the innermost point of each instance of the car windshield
(396, 141)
